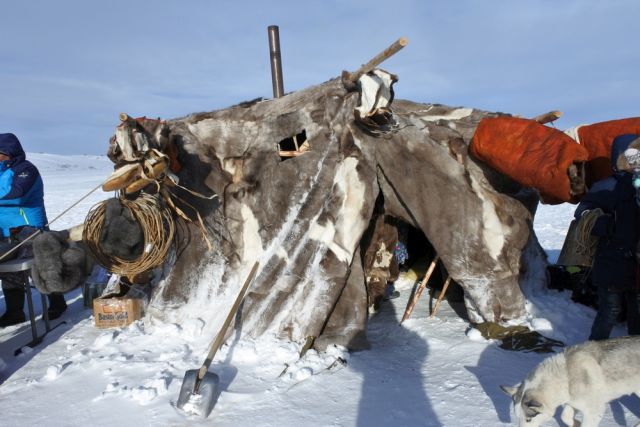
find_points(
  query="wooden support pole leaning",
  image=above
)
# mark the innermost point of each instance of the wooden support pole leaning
(420, 288)
(376, 60)
(549, 117)
(125, 118)
(441, 296)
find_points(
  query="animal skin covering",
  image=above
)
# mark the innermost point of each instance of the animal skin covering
(375, 92)
(531, 154)
(597, 138)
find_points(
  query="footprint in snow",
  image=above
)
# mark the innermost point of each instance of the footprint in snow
(105, 339)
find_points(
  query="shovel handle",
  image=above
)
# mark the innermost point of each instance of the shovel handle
(220, 337)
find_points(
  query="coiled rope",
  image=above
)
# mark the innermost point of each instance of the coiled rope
(158, 227)
(585, 242)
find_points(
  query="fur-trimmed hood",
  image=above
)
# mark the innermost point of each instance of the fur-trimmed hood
(621, 143)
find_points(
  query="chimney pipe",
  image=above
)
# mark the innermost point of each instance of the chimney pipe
(276, 61)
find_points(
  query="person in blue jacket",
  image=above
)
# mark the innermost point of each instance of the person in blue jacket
(21, 204)
(614, 267)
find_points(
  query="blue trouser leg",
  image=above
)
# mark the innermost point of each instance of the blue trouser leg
(609, 309)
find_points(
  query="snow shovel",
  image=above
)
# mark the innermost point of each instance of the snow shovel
(200, 388)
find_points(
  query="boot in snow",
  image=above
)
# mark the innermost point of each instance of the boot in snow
(57, 306)
(14, 300)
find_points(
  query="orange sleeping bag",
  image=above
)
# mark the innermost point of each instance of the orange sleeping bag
(597, 139)
(531, 154)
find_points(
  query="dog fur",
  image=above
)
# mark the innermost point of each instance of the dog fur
(583, 377)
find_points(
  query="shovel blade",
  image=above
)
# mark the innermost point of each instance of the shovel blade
(200, 402)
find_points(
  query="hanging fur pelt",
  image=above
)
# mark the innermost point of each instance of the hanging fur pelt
(59, 265)
(121, 234)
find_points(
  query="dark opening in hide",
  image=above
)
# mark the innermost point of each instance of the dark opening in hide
(421, 253)
(394, 249)
(294, 145)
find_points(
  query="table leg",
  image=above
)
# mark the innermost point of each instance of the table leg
(45, 312)
(32, 315)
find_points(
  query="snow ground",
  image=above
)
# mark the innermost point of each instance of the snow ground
(427, 372)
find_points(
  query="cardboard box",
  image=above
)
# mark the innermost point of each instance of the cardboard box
(116, 312)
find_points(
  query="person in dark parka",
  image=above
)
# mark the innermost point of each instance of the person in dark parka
(614, 267)
(21, 205)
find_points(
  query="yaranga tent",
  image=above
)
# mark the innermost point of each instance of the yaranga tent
(300, 180)
(313, 186)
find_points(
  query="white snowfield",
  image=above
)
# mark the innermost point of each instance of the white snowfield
(427, 372)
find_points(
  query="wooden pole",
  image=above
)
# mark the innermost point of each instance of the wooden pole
(441, 296)
(125, 118)
(549, 117)
(419, 290)
(377, 60)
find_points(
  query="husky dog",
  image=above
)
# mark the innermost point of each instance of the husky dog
(583, 377)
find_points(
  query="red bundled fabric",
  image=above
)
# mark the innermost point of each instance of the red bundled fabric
(531, 154)
(597, 139)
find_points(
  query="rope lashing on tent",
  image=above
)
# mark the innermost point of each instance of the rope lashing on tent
(158, 227)
(152, 169)
(586, 243)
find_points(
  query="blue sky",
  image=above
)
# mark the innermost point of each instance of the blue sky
(68, 67)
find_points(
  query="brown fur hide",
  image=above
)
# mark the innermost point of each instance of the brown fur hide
(380, 266)
(304, 217)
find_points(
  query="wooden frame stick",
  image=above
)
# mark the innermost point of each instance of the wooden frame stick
(441, 296)
(549, 117)
(378, 59)
(125, 118)
(419, 290)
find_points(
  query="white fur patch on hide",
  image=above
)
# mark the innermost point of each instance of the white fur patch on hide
(281, 253)
(493, 231)
(456, 114)
(229, 165)
(205, 128)
(375, 92)
(325, 234)
(350, 219)
(220, 132)
(383, 257)
(322, 233)
(251, 241)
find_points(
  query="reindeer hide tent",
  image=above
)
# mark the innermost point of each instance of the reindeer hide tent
(303, 216)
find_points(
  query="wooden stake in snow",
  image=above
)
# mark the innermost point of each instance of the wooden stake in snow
(419, 290)
(441, 296)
